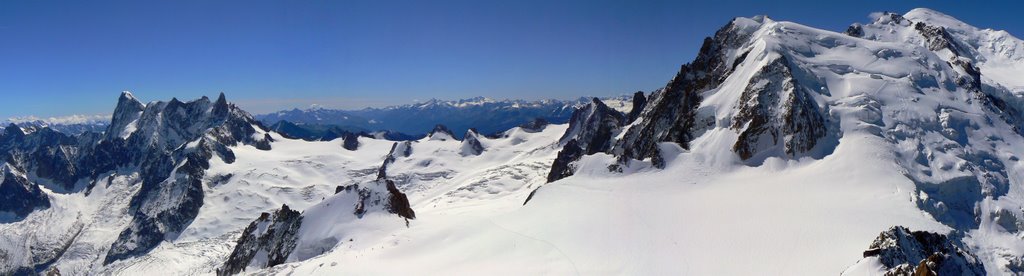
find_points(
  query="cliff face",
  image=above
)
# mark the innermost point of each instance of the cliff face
(266, 242)
(18, 196)
(776, 111)
(905, 252)
(670, 114)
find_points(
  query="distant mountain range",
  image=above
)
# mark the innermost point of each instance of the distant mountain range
(485, 115)
(893, 148)
(71, 125)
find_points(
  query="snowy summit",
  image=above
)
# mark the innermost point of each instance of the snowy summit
(891, 148)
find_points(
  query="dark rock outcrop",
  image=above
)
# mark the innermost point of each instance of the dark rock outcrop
(937, 38)
(670, 113)
(855, 30)
(372, 197)
(534, 126)
(471, 144)
(45, 153)
(593, 127)
(562, 167)
(905, 252)
(18, 196)
(126, 114)
(398, 149)
(441, 132)
(176, 137)
(350, 141)
(591, 130)
(639, 102)
(273, 236)
(774, 109)
(398, 202)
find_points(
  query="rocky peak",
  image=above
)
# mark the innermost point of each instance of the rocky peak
(775, 110)
(639, 102)
(350, 141)
(593, 127)
(905, 252)
(126, 113)
(536, 125)
(440, 133)
(13, 130)
(892, 18)
(398, 149)
(937, 38)
(19, 196)
(172, 145)
(855, 30)
(670, 113)
(266, 242)
(471, 144)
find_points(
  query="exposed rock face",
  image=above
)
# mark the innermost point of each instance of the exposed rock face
(394, 200)
(350, 141)
(670, 113)
(562, 167)
(593, 127)
(537, 125)
(639, 102)
(266, 242)
(398, 149)
(903, 252)
(855, 30)
(471, 144)
(44, 153)
(398, 202)
(776, 110)
(371, 196)
(937, 38)
(181, 138)
(441, 133)
(125, 117)
(18, 196)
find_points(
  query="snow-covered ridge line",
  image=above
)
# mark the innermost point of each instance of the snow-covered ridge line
(62, 120)
(801, 151)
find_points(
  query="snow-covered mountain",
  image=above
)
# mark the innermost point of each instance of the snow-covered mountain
(892, 148)
(486, 115)
(71, 125)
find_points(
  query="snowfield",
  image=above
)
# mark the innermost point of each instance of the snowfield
(894, 126)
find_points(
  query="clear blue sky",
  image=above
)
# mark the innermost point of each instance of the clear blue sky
(74, 57)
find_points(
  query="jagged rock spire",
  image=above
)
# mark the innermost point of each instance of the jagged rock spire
(18, 195)
(125, 115)
(471, 144)
(441, 132)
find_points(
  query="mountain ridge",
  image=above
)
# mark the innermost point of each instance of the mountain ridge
(885, 149)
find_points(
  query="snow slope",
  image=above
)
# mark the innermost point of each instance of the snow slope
(908, 142)
(909, 136)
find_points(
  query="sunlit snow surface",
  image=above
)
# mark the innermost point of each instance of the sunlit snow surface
(898, 123)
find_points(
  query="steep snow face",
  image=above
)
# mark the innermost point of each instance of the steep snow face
(671, 113)
(782, 145)
(435, 175)
(785, 92)
(998, 54)
(167, 149)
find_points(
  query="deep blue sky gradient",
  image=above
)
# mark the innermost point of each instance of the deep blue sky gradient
(74, 57)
